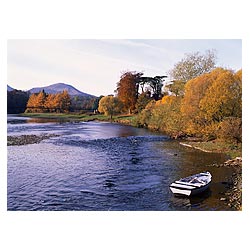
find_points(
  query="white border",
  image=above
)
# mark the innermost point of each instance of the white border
(123, 19)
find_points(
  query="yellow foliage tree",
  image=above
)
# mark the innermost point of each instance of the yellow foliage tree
(223, 98)
(109, 105)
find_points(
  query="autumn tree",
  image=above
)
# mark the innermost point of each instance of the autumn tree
(175, 87)
(163, 115)
(64, 101)
(50, 104)
(109, 105)
(42, 102)
(128, 89)
(230, 129)
(195, 90)
(223, 98)
(31, 104)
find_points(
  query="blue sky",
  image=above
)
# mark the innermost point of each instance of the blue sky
(94, 66)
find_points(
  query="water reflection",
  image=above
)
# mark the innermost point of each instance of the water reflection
(196, 202)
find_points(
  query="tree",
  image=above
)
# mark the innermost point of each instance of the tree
(64, 101)
(128, 89)
(32, 102)
(193, 65)
(109, 105)
(16, 101)
(155, 83)
(231, 129)
(142, 101)
(223, 98)
(40, 101)
(195, 90)
(50, 104)
(176, 87)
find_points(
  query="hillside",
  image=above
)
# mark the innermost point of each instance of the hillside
(59, 87)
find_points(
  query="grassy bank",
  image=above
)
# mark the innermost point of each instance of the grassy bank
(217, 146)
(124, 119)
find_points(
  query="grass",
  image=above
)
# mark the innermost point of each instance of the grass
(124, 119)
(55, 115)
(219, 146)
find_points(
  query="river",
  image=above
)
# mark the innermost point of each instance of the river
(98, 166)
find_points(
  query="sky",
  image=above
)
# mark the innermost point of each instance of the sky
(94, 66)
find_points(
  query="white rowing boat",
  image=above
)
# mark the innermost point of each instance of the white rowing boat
(192, 185)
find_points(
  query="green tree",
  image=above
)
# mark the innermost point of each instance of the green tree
(109, 105)
(142, 101)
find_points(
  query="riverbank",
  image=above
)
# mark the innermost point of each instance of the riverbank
(123, 119)
(215, 146)
(233, 196)
(232, 150)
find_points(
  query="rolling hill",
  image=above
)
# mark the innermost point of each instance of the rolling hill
(59, 87)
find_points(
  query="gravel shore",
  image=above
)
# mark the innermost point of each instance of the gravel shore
(27, 139)
(233, 196)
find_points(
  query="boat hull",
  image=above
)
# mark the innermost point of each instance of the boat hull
(188, 189)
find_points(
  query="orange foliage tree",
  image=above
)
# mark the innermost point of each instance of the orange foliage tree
(128, 89)
(42, 102)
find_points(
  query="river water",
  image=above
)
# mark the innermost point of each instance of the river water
(104, 166)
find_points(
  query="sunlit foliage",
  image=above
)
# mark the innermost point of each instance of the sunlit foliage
(43, 102)
(128, 90)
(110, 105)
(210, 108)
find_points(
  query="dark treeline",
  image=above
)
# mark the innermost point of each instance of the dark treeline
(16, 101)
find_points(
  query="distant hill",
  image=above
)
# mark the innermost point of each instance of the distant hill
(59, 87)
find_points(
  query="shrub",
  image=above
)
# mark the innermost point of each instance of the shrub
(231, 129)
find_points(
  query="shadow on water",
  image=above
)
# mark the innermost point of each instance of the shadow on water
(195, 202)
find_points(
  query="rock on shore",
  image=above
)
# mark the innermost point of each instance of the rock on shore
(233, 196)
